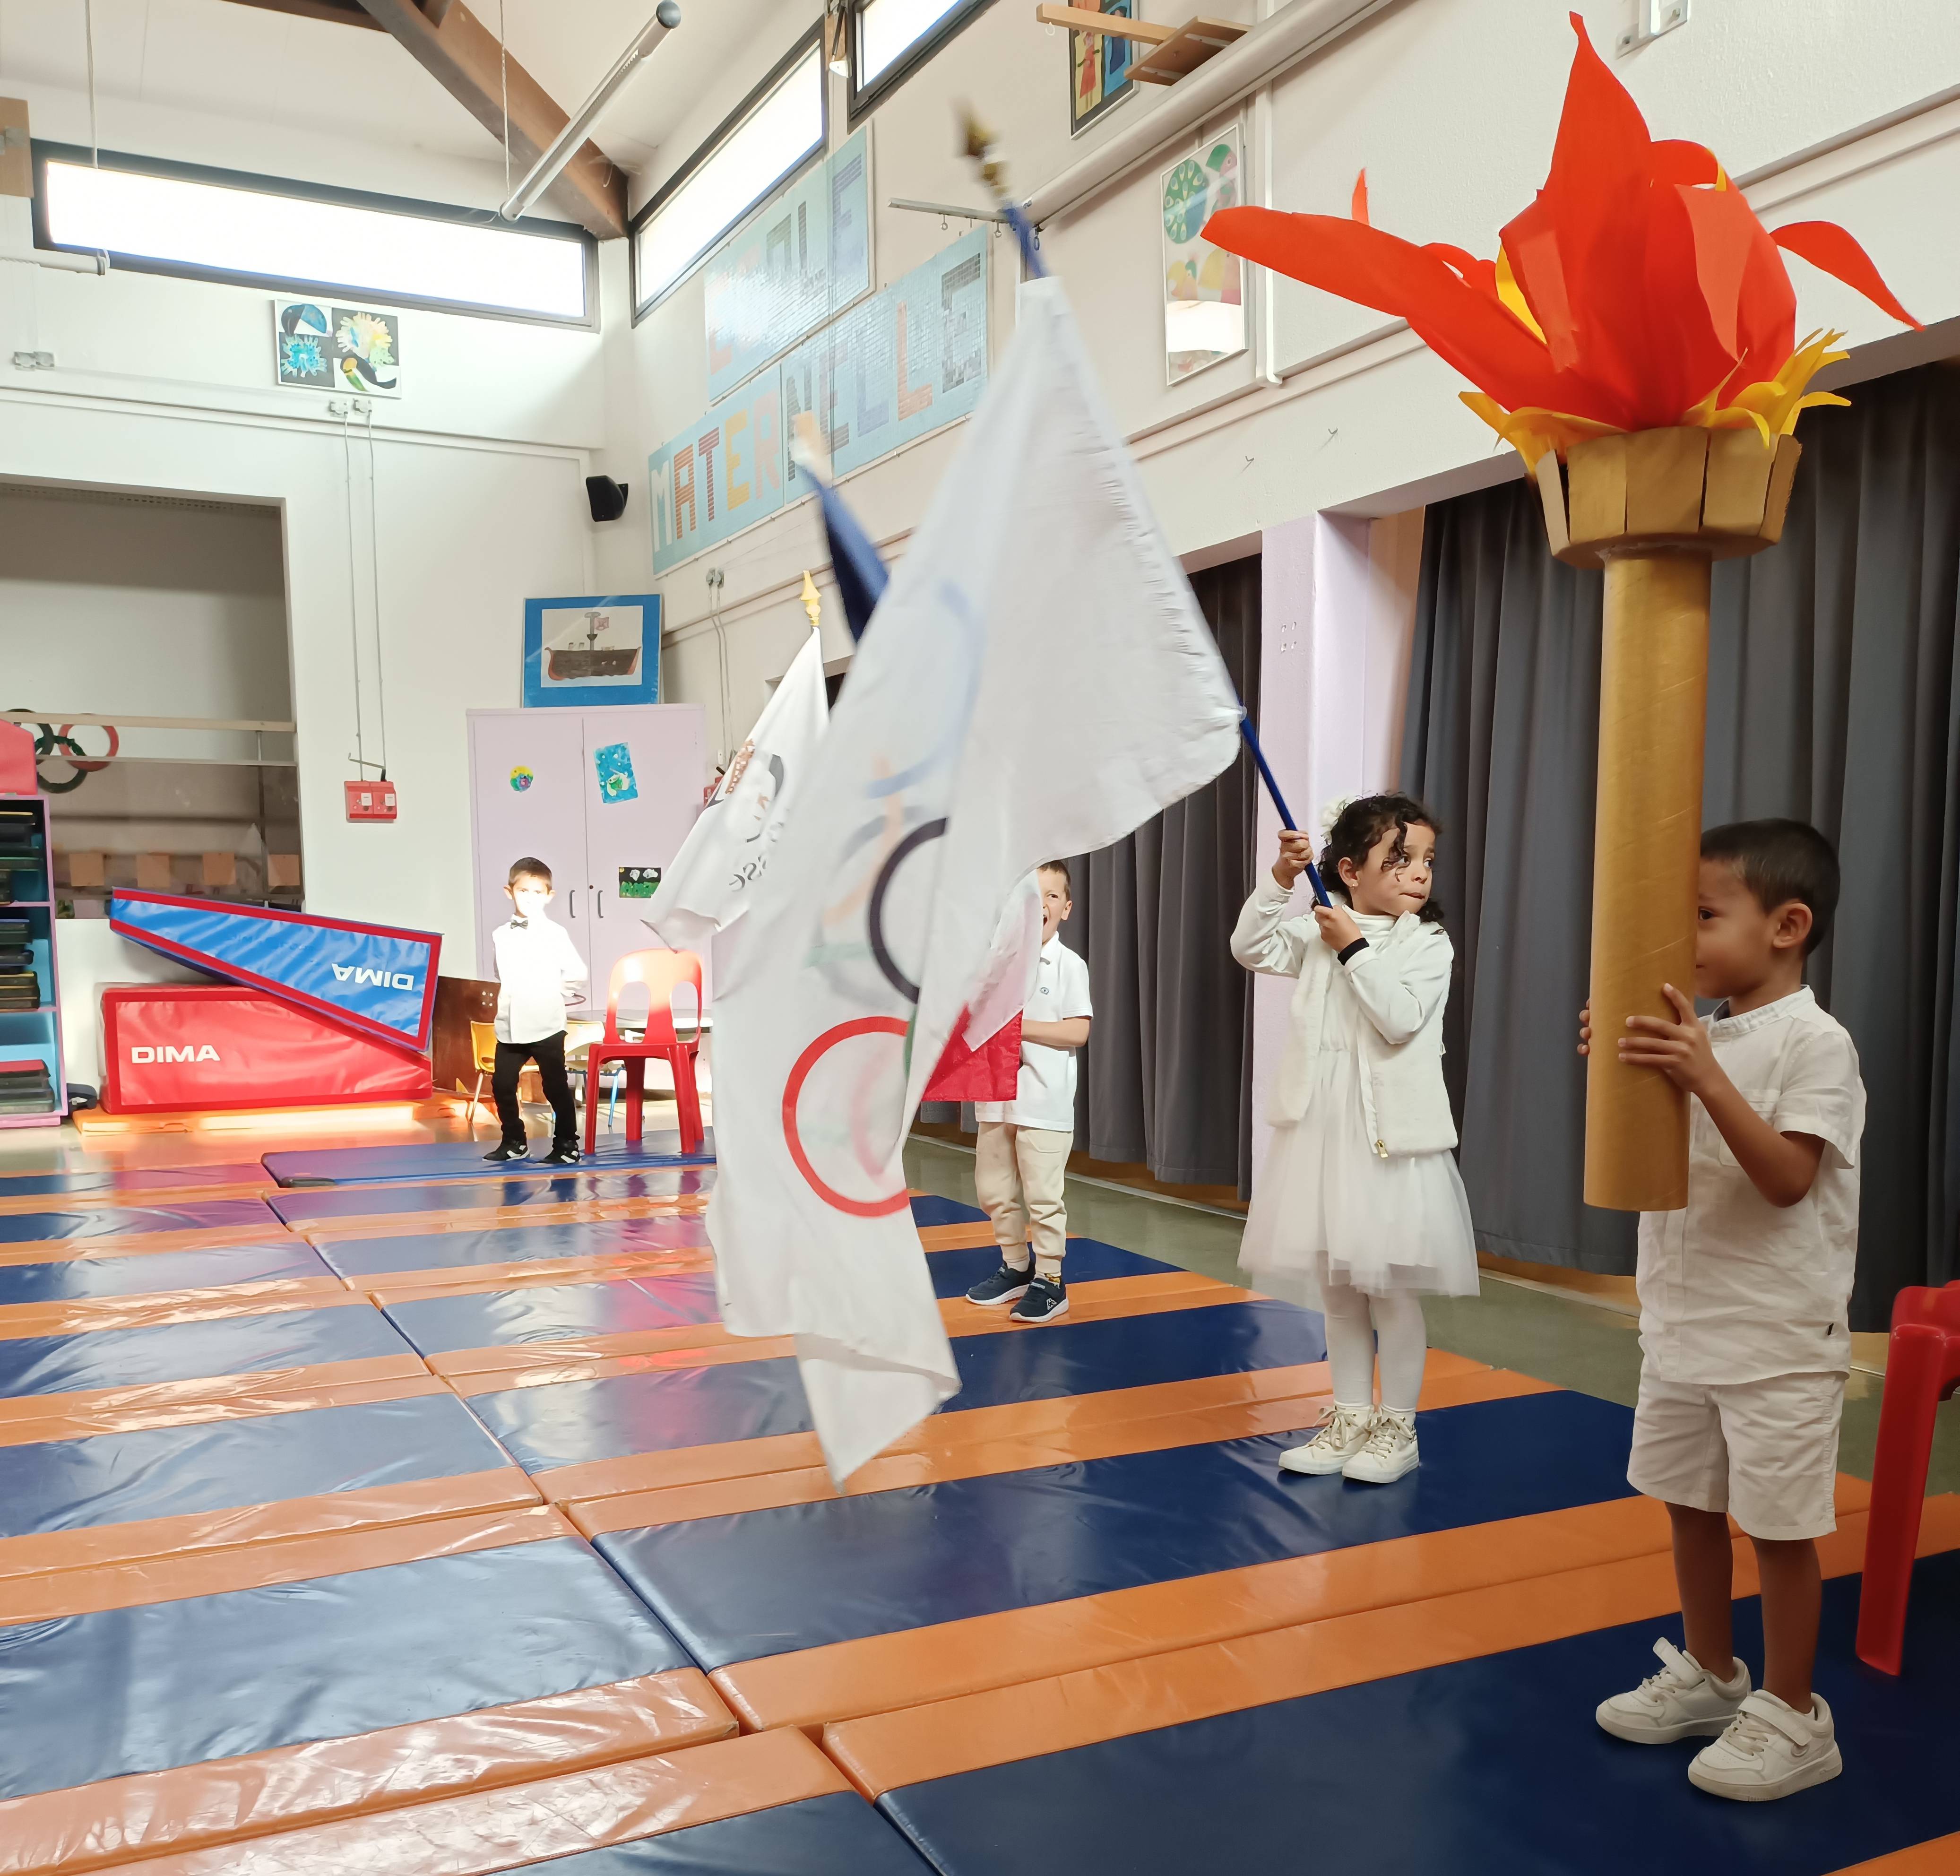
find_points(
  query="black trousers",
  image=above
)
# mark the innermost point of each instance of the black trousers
(548, 1054)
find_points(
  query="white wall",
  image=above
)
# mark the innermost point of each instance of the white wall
(165, 385)
(1452, 106)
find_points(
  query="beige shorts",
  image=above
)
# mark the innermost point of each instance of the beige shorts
(1765, 1452)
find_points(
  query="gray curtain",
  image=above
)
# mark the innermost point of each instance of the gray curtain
(1166, 1080)
(1832, 697)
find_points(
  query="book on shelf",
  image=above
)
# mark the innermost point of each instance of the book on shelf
(26, 1088)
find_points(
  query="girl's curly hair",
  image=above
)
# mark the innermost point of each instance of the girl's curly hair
(1359, 830)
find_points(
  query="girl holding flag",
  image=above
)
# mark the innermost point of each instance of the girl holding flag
(1361, 1207)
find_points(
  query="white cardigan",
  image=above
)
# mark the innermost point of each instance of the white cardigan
(1401, 980)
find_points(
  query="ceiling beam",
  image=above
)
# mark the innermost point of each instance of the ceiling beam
(340, 12)
(464, 56)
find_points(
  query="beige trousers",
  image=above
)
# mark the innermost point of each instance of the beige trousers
(1017, 1177)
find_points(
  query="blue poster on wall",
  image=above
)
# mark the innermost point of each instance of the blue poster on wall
(910, 359)
(797, 263)
(580, 652)
(378, 979)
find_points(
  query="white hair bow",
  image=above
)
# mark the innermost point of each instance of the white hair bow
(1332, 812)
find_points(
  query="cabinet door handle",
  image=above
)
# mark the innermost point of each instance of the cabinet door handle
(600, 893)
(571, 899)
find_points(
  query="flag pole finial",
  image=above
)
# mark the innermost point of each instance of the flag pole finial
(813, 605)
(983, 151)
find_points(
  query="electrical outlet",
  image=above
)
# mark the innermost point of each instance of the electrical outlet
(34, 361)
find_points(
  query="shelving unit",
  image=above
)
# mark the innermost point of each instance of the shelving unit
(30, 1034)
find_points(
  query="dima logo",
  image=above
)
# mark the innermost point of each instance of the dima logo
(386, 979)
(190, 1051)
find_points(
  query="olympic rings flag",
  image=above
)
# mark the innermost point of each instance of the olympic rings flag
(1037, 680)
(714, 878)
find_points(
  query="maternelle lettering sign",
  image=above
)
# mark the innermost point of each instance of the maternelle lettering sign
(903, 362)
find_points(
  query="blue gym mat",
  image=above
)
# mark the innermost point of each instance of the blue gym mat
(177, 1684)
(838, 1834)
(166, 1472)
(363, 1259)
(209, 1215)
(137, 1181)
(738, 1586)
(1489, 1767)
(143, 1273)
(571, 1422)
(929, 1209)
(195, 1351)
(306, 1207)
(464, 1159)
(554, 1312)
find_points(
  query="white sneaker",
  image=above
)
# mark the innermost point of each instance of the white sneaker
(1342, 1435)
(1683, 1701)
(1770, 1750)
(1390, 1450)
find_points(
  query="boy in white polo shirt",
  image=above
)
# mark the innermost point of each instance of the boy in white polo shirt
(1022, 1156)
(538, 969)
(1744, 1296)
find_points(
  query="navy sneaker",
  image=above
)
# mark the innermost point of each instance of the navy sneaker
(1005, 1285)
(563, 1153)
(1046, 1299)
(505, 1150)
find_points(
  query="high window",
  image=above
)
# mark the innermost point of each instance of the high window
(777, 129)
(257, 230)
(891, 38)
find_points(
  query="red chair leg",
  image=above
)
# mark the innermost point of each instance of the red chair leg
(636, 1099)
(687, 1099)
(595, 1079)
(1914, 1362)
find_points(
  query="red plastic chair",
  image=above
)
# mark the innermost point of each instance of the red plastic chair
(661, 973)
(1922, 1369)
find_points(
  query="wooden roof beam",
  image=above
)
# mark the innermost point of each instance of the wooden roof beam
(464, 57)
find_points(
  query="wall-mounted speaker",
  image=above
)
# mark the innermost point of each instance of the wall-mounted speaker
(607, 498)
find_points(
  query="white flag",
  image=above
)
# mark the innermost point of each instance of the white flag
(1037, 681)
(713, 879)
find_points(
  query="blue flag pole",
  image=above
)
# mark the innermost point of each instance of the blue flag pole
(1279, 800)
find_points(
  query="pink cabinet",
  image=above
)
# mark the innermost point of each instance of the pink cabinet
(604, 797)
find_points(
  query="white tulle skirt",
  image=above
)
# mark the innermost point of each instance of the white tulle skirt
(1329, 1207)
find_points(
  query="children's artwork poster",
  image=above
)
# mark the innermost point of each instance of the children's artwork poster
(1205, 289)
(613, 762)
(1099, 67)
(908, 359)
(790, 268)
(351, 350)
(639, 882)
(580, 652)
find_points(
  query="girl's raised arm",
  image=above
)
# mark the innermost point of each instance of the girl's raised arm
(1265, 939)
(1400, 993)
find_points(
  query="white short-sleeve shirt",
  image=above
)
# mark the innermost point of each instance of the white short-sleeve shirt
(1044, 1093)
(1733, 1288)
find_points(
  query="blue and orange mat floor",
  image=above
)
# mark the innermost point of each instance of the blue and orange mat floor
(365, 1510)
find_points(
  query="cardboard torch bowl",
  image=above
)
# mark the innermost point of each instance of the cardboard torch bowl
(1653, 509)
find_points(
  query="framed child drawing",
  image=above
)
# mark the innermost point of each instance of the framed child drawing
(602, 650)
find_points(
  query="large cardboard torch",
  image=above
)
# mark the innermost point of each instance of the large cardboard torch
(1635, 340)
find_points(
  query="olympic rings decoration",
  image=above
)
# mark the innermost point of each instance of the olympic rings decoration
(874, 919)
(793, 1139)
(51, 739)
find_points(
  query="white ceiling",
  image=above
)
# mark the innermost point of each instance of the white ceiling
(245, 63)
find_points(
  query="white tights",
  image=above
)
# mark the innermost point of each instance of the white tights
(1354, 1319)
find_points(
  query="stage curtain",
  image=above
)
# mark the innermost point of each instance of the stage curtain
(1166, 1079)
(1832, 697)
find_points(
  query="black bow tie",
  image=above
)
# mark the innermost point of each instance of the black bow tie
(521, 924)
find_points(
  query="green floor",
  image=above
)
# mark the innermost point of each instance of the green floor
(1577, 1345)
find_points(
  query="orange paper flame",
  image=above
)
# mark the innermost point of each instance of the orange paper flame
(1637, 292)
